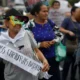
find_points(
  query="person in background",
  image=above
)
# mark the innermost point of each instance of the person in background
(68, 28)
(14, 37)
(65, 7)
(57, 17)
(43, 31)
(55, 14)
(62, 9)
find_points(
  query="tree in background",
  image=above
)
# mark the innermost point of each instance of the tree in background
(50, 2)
(70, 1)
(73, 1)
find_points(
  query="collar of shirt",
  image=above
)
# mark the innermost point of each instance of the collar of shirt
(19, 36)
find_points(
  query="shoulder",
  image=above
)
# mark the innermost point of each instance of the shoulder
(65, 23)
(29, 33)
(30, 24)
(67, 19)
(51, 22)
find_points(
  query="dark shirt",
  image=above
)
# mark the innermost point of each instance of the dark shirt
(72, 26)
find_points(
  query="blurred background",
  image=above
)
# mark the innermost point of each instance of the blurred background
(24, 6)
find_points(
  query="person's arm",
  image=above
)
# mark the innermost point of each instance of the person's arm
(42, 59)
(38, 52)
(64, 27)
(66, 31)
(63, 30)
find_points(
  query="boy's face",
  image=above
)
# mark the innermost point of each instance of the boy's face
(15, 28)
(56, 6)
(15, 24)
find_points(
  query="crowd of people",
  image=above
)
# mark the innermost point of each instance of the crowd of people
(36, 36)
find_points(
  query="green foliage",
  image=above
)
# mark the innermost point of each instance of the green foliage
(50, 2)
(73, 1)
(70, 1)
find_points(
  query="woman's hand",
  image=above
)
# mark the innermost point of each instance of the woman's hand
(46, 66)
(45, 44)
(52, 42)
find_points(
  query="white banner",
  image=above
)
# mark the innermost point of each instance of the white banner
(19, 1)
(20, 60)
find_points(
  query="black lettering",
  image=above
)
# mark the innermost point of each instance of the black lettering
(30, 64)
(25, 61)
(2, 50)
(10, 53)
(16, 57)
(38, 68)
(20, 58)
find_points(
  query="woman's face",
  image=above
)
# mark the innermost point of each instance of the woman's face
(15, 28)
(43, 14)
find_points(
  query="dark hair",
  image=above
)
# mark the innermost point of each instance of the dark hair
(14, 12)
(36, 8)
(11, 12)
(73, 9)
(55, 2)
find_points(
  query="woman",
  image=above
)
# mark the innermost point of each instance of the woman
(13, 38)
(71, 28)
(42, 29)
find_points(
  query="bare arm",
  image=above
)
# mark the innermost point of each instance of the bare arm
(66, 31)
(42, 59)
(39, 54)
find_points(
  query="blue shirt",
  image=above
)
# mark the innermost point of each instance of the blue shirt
(72, 26)
(45, 33)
